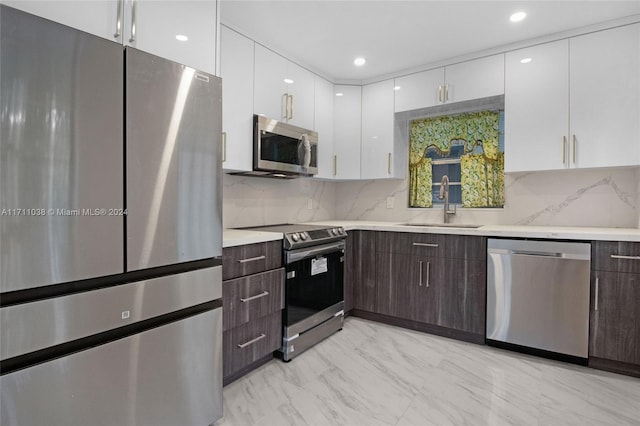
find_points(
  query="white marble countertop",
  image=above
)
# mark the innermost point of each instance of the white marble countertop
(240, 237)
(555, 232)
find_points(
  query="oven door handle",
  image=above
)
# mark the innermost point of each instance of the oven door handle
(305, 253)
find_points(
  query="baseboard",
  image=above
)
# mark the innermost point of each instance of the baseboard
(619, 367)
(419, 326)
(247, 369)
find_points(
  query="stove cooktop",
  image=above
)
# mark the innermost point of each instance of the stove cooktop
(300, 235)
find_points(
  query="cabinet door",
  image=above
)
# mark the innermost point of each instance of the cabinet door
(462, 295)
(377, 130)
(301, 91)
(346, 132)
(158, 24)
(537, 108)
(323, 112)
(615, 317)
(98, 17)
(605, 98)
(475, 79)
(236, 65)
(270, 90)
(420, 90)
(361, 280)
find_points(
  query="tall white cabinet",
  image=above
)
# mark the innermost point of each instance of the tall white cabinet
(574, 103)
(604, 75)
(236, 69)
(347, 114)
(537, 107)
(323, 124)
(377, 147)
(147, 25)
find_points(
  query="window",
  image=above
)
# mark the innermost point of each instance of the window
(468, 148)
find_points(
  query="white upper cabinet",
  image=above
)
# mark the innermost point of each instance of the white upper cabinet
(605, 98)
(537, 108)
(347, 111)
(474, 79)
(98, 17)
(377, 148)
(323, 124)
(236, 69)
(147, 25)
(574, 103)
(183, 31)
(282, 90)
(420, 90)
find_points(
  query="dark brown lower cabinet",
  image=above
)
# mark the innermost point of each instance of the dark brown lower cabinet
(462, 302)
(361, 271)
(408, 286)
(614, 341)
(251, 342)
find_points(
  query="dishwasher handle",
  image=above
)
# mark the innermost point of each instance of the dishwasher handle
(536, 253)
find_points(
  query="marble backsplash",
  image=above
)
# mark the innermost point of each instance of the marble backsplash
(598, 197)
(255, 201)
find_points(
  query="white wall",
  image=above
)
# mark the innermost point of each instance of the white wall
(255, 201)
(608, 198)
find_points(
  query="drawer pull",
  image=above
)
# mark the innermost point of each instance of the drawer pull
(425, 245)
(619, 256)
(252, 341)
(257, 296)
(252, 259)
(595, 308)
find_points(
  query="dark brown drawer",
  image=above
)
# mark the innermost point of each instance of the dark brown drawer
(248, 298)
(615, 256)
(409, 243)
(250, 342)
(250, 259)
(467, 247)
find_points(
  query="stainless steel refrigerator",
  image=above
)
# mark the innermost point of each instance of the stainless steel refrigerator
(111, 239)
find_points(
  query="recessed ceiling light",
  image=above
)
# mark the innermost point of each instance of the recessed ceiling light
(525, 60)
(339, 94)
(288, 81)
(517, 17)
(396, 88)
(359, 61)
(182, 37)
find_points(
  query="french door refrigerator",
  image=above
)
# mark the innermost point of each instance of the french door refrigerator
(110, 222)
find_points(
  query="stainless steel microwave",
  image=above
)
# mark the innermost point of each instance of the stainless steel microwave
(283, 150)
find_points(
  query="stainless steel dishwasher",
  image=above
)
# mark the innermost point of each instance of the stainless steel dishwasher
(538, 297)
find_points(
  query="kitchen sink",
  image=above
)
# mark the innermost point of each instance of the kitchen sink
(443, 225)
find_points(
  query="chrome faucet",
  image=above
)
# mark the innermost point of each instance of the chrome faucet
(444, 194)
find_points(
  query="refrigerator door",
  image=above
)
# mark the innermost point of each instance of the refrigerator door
(173, 162)
(169, 375)
(61, 153)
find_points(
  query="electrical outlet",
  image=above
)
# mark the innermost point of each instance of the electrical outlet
(390, 201)
(310, 203)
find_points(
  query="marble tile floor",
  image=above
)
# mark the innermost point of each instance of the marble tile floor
(375, 374)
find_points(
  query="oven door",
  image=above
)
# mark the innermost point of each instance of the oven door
(314, 289)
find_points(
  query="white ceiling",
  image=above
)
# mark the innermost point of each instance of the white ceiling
(395, 35)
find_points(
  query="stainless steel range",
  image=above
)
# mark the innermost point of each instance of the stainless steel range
(314, 288)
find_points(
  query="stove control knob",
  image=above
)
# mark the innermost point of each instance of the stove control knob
(335, 231)
(341, 231)
(303, 236)
(295, 237)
